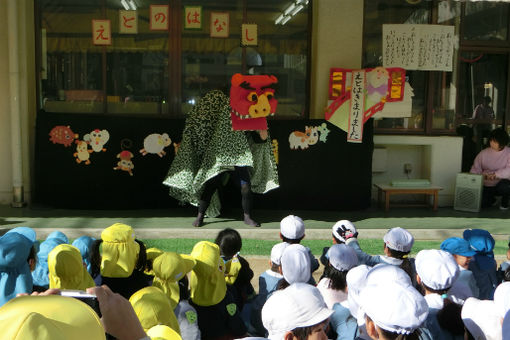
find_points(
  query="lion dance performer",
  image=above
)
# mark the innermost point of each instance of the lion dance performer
(222, 136)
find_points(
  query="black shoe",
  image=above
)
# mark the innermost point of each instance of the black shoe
(249, 221)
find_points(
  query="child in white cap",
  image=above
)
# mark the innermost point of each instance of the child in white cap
(436, 272)
(296, 312)
(292, 231)
(333, 287)
(481, 319)
(340, 232)
(295, 266)
(332, 284)
(268, 282)
(397, 246)
(394, 311)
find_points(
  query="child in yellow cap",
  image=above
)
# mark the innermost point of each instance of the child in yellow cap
(119, 260)
(67, 270)
(170, 271)
(238, 273)
(218, 314)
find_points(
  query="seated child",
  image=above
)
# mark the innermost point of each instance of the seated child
(153, 308)
(292, 231)
(436, 271)
(84, 245)
(484, 266)
(268, 282)
(238, 273)
(463, 254)
(297, 312)
(17, 257)
(340, 232)
(118, 260)
(397, 246)
(67, 270)
(170, 271)
(295, 266)
(333, 287)
(218, 315)
(40, 273)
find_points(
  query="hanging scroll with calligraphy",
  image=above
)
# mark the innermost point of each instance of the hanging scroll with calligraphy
(357, 108)
(418, 47)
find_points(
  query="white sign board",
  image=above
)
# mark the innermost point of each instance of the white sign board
(418, 47)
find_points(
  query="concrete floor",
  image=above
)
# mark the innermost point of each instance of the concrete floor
(177, 222)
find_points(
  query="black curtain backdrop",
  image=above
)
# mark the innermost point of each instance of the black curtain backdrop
(334, 175)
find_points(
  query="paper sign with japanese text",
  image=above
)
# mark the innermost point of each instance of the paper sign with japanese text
(159, 17)
(101, 32)
(220, 23)
(192, 17)
(249, 35)
(357, 108)
(128, 22)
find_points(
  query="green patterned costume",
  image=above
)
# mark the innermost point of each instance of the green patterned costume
(210, 147)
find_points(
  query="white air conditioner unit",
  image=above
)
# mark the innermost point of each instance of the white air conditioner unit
(468, 192)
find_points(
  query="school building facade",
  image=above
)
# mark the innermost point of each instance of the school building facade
(53, 74)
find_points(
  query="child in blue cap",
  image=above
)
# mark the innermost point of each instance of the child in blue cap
(484, 266)
(463, 254)
(16, 258)
(84, 245)
(40, 274)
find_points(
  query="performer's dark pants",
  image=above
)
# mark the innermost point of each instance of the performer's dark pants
(501, 189)
(214, 183)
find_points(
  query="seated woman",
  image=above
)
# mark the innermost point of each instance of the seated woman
(494, 164)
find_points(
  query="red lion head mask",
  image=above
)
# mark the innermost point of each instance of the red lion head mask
(252, 100)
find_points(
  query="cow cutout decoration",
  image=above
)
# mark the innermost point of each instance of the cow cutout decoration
(252, 100)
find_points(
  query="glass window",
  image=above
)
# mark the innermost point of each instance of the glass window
(482, 92)
(166, 71)
(484, 20)
(377, 13)
(71, 67)
(282, 50)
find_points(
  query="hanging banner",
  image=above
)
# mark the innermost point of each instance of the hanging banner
(249, 35)
(192, 17)
(158, 17)
(128, 22)
(101, 32)
(220, 22)
(357, 108)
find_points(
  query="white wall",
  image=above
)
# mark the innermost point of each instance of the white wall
(27, 97)
(438, 159)
(337, 38)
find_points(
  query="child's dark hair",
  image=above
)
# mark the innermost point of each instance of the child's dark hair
(500, 136)
(32, 255)
(184, 293)
(302, 333)
(95, 257)
(282, 284)
(229, 241)
(291, 240)
(142, 257)
(416, 335)
(449, 317)
(337, 277)
(406, 264)
(506, 275)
